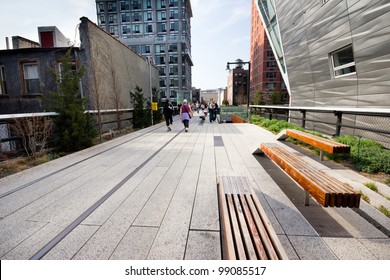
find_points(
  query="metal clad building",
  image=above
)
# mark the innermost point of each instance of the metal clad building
(332, 52)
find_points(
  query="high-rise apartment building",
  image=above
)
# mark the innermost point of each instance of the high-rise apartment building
(159, 30)
(265, 76)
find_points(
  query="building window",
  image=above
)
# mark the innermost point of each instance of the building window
(172, 48)
(137, 16)
(271, 64)
(271, 75)
(3, 86)
(149, 28)
(125, 5)
(172, 59)
(125, 17)
(161, 27)
(160, 48)
(125, 29)
(136, 5)
(100, 7)
(31, 78)
(114, 30)
(136, 28)
(343, 62)
(148, 4)
(112, 18)
(111, 6)
(270, 86)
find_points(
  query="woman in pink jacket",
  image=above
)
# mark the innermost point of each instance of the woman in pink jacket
(186, 114)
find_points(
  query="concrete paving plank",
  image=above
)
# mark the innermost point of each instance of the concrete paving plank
(154, 210)
(106, 239)
(349, 249)
(12, 234)
(206, 215)
(380, 248)
(69, 246)
(311, 248)
(135, 245)
(171, 239)
(203, 245)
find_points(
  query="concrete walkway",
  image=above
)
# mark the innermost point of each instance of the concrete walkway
(152, 195)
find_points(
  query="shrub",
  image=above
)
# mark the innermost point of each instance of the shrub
(368, 156)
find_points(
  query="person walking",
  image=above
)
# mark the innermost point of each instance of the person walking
(185, 114)
(168, 112)
(211, 109)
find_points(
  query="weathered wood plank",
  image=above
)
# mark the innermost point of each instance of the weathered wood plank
(326, 190)
(318, 142)
(246, 233)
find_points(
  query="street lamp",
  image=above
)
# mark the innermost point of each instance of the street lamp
(239, 62)
(149, 61)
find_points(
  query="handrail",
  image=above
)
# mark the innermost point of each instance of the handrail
(337, 111)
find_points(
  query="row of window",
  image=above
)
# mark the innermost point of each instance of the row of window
(112, 6)
(142, 28)
(31, 81)
(173, 82)
(139, 17)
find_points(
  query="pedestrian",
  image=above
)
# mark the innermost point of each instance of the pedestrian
(211, 109)
(186, 114)
(168, 112)
(216, 111)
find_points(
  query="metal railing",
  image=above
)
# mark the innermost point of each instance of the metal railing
(9, 141)
(373, 122)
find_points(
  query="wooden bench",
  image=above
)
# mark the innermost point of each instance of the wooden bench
(246, 230)
(322, 144)
(325, 189)
(237, 119)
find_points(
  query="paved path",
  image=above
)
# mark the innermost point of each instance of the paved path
(152, 195)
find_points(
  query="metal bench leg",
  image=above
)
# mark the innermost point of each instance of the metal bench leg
(321, 155)
(307, 199)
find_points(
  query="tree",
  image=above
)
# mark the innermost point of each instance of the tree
(74, 128)
(259, 98)
(141, 116)
(34, 133)
(276, 98)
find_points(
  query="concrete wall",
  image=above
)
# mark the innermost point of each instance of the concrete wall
(113, 70)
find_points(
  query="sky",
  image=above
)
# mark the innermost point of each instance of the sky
(220, 30)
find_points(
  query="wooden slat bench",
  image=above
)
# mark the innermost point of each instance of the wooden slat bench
(246, 231)
(237, 119)
(322, 144)
(325, 189)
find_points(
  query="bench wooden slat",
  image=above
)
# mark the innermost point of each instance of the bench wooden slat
(318, 142)
(244, 228)
(266, 251)
(327, 190)
(246, 231)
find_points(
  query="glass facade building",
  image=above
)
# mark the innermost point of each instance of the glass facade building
(159, 30)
